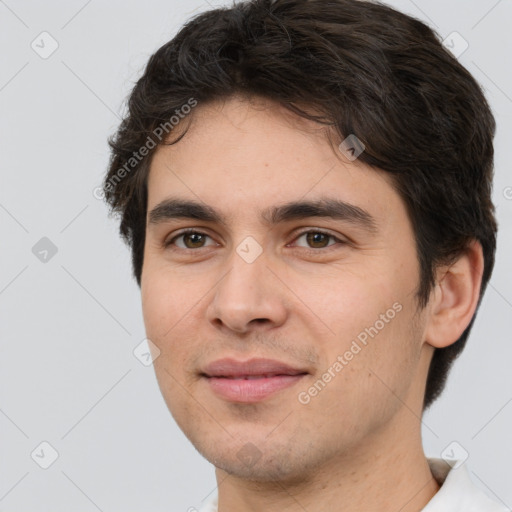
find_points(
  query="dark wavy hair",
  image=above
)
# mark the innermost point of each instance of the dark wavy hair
(360, 67)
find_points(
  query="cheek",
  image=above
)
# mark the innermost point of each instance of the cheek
(352, 302)
(374, 380)
(370, 316)
(165, 302)
(171, 303)
(162, 310)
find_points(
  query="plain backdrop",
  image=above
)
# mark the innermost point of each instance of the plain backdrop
(70, 314)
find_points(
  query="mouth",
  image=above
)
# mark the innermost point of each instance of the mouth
(250, 381)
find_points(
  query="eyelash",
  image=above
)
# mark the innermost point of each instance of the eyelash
(170, 242)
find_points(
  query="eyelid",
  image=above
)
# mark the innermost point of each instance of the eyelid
(322, 231)
(168, 241)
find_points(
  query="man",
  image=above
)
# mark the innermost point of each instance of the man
(305, 187)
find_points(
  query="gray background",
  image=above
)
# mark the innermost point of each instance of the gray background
(69, 325)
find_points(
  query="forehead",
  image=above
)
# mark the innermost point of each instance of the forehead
(243, 157)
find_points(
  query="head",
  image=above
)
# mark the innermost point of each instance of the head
(243, 113)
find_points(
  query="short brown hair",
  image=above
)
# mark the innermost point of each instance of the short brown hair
(365, 69)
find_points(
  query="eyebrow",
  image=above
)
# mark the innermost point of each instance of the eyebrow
(173, 208)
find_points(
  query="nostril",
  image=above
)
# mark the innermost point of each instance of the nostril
(260, 320)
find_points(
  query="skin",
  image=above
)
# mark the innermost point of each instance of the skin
(357, 444)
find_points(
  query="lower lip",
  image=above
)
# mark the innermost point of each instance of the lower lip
(251, 390)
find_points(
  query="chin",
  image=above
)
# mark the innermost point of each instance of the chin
(273, 464)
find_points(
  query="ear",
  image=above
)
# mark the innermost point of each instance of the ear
(455, 297)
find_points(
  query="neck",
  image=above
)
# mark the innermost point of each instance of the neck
(387, 472)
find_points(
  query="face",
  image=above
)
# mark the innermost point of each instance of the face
(288, 333)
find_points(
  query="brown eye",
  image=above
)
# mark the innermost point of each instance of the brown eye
(189, 240)
(195, 240)
(317, 239)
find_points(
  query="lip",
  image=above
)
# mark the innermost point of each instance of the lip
(250, 381)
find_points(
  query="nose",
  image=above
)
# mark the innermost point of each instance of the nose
(248, 297)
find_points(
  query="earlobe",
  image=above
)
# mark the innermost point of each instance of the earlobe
(455, 297)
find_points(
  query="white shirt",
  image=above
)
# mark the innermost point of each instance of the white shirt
(457, 493)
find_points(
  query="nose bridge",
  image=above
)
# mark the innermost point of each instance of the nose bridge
(247, 292)
(246, 279)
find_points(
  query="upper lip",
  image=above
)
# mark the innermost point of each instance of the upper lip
(265, 367)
